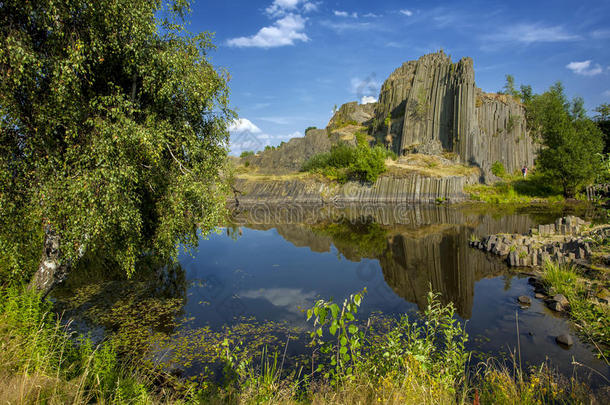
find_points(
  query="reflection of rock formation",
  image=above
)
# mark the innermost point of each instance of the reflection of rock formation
(430, 248)
(442, 261)
(410, 215)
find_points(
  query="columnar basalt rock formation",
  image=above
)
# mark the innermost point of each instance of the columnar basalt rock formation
(409, 189)
(435, 106)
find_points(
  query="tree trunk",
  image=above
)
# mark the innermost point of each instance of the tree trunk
(51, 270)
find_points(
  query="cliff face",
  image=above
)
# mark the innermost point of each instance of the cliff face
(291, 156)
(435, 106)
(354, 113)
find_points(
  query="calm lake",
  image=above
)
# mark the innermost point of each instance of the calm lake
(253, 280)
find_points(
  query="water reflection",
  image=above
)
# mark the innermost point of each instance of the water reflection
(270, 264)
(427, 249)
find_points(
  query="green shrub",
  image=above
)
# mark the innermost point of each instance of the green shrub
(309, 128)
(345, 162)
(246, 153)
(497, 168)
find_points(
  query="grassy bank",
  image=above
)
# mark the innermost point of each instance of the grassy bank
(43, 363)
(586, 297)
(379, 361)
(516, 190)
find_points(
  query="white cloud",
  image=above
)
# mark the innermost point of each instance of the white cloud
(531, 33)
(279, 8)
(371, 15)
(393, 44)
(309, 7)
(243, 125)
(365, 87)
(278, 120)
(347, 26)
(368, 100)
(606, 93)
(339, 13)
(408, 13)
(284, 31)
(585, 68)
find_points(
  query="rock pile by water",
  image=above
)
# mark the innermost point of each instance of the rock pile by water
(564, 241)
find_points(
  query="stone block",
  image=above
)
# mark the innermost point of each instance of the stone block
(513, 258)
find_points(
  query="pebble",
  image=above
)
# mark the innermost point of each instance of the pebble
(524, 300)
(565, 340)
(561, 299)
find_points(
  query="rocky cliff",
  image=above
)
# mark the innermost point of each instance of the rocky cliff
(434, 106)
(291, 156)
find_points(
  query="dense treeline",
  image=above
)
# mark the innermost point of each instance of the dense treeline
(571, 143)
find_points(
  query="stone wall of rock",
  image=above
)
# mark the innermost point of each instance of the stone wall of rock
(409, 189)
(435, 106)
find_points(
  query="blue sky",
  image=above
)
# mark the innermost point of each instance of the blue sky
(291, 61)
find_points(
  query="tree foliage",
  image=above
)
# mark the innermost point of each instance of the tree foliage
(602, 118)
(570, 141)
(509, 87)
(113, 127)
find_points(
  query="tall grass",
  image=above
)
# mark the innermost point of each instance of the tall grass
(42, 362)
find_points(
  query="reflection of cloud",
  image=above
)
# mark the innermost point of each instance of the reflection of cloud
(289, 299)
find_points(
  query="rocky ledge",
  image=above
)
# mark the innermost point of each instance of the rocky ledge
(409, 189)
(567, 240)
